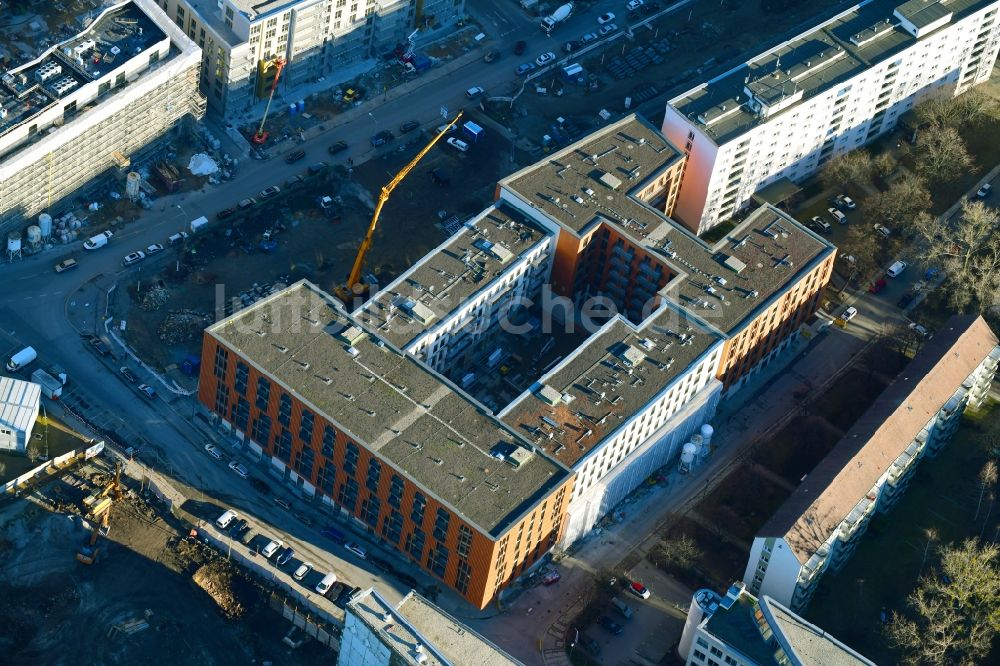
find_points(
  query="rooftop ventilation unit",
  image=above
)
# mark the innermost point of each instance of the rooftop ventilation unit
(549, 395)
(519, 456)
(349, 335)
(47, 71)
(610, 181)
(63, 85)
(629, 355)
(734, 264)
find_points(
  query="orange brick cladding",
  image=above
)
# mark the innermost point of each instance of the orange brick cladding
(478, 564)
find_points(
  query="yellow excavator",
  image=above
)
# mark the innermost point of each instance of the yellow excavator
(354, 288)
(99, 508)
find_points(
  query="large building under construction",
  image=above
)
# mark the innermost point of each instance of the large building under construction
(415, 417)
(88, 105)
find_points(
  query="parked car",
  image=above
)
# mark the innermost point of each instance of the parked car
(302, 571)
(905, 300)
(133, 258)
(294, 181)
(352, 547)
(525, 68)
(213, 451)
(285, 556)
(295, 156)
(877, 286)
(283, 503)
(520, 47)
(545, 58)
(551, 578)
(448, 129)
(155, 248)
(179, 237)
(882, 230)
(610, 625)
(316, 168)
(896, 269)
(128, 375)
(269, 191)
(98, 345)
(849, 314)
(338, 147)
(590, 645)
(639, 590)
(458, 144)
(589, 37)
(249, 202)
(918, 329)
(607, 17)
(148, 391)
(65, 265)
(844, 202)
(382, 565)
(571, 46)
(271, 548)
(984, 191)
(333, 534)
(325, 585)
(607, 29)
(634, 5)
(408, 126)
(225, 213)
(819, 224)
(239, 469)
(491, 56)
(260, 486)
(304, 519)
(238, 528)
(837, 215)
(474, 92)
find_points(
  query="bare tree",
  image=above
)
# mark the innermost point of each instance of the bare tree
(904, 199)
(968, 249)
(941, 153)
(987, 479)
(679, 553)
(883, 165)
(33, 450)
(953, 617)
(860, 245)
(970, 108)
(854, 167)
(938, 110)
(931, 535)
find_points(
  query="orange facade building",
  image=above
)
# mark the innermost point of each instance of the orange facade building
(369, 431)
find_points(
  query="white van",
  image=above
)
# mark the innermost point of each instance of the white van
(271, 548)
(223, 521)
(324, 585)
(896, 269)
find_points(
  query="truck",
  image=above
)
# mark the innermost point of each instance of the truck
(51, 387)
(558, 16)
(198, 224)
(21, 359)
(98, 241)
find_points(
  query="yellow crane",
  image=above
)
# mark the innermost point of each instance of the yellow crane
(347, 292)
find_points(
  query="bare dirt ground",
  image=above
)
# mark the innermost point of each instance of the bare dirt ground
(59, 611)
(313, 245)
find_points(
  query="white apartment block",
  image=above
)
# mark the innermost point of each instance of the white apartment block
(820, 525)
(90, 104)
(834, 88)
(740, 629)
(241, 40)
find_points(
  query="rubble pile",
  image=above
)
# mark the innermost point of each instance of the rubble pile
(216, 578)
(153, 298)
(183, 326)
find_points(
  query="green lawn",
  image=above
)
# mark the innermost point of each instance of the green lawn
(941, 496)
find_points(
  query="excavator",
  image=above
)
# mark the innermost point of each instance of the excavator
(99, 508)
(351, 292)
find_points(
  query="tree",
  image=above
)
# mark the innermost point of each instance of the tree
(883, 165)
(895, 207)
(970, 108)
(952, 618)
(854, 167)
(679, 553)
(941, 153)
(33, 450)
(968, 249)
(860, 245)
(987, 479)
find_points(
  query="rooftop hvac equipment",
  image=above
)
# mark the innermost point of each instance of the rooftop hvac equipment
(83, 47)
(47, 71)
(610, 180)
(63, 85)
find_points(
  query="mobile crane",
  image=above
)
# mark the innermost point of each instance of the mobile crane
(99, 506)
(261, 136)
(353, 286)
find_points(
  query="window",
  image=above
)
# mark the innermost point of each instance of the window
(263, 393)
(715, 651)
(348, 496)
(729, 660)
(262, 430)
(415, 544)
(441, 525)
(329, 438)
(417, 513)
(222, 399)
(437, 560)
(462, 577)
(242, 377)
(221, 362)
(396, 491)
(699, 655)
(370, 509)
(306, 426)
(374, 474)
(464, 541)
(305, 461)
(392, 528)
(285, 410)
(241, 415)
(154, 58)
(327, 477)
(351, 459)
(702, 642)
(284, 447)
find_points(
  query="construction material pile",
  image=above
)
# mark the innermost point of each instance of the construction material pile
(153, 298)
(216, 578)
(183, 326)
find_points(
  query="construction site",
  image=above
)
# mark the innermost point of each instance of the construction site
(92, 555)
